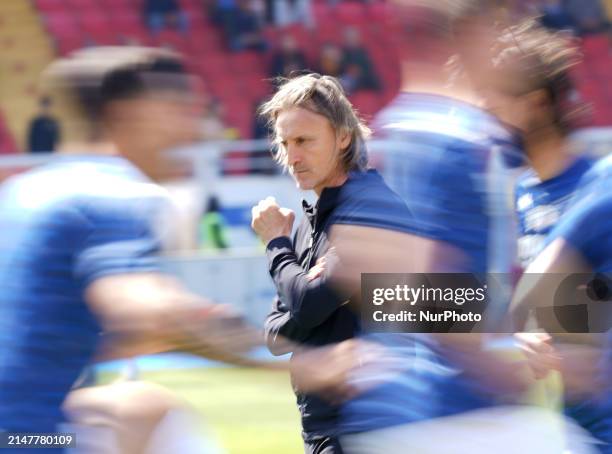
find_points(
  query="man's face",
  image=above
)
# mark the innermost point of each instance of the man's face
(147, 126)
(312, 148)
(165, 119)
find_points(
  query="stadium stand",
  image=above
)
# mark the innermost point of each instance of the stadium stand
(33, 32)
(24, 51)
(237, 79)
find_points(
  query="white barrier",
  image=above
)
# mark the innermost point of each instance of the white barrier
(237, 278)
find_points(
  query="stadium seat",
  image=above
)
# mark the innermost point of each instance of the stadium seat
(51, 6)
(97, 27)
(323, 14)
(61, 24)
(7, 144)
(378, 12)
(170, 39)
(595, 47)
(244, 62)
(366, 102)
(351, 13)
(128, 23)
(68, 43)
(84, 5)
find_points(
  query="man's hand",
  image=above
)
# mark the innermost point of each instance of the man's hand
(540, 353)
(326, 370)
(271, 221)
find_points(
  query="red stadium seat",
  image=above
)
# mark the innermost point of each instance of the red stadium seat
(351, 13)
(367, 102)
(69, 43)
(323, 14)
(83, 5)
(97, 27)
(51, 6)
(128, 23)
(117, 6)
(62, 24)
(378, 12)
(244, 62)
(170, 39)
(595, 47)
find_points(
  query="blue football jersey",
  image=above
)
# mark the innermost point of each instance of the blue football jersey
(540, 204)
(439, 157)
(63, 226)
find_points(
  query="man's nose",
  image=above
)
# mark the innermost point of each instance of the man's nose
(293, 155)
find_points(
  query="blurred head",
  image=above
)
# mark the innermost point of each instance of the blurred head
(138, 98)
(152, 101)
(288, 44)
(330, 59)
(352, 37)
(45, 104)
(317, 134)
(533, 89)
(445, 28)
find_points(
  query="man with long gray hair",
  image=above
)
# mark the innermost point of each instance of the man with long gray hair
(319, 140)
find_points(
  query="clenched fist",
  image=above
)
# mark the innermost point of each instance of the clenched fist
(271, 221)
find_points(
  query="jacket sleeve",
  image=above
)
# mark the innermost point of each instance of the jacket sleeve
(302, 304)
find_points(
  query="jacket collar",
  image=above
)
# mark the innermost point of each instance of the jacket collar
(329, 198)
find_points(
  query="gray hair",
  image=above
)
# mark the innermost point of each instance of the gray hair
(322, 95)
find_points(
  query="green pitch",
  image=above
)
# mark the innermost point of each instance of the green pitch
(249, 411)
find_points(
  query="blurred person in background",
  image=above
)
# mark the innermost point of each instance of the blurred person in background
(330, 60)
(588, 16)
(287, 12)
(538, 101)
(212, 226)
(242, 27)
(554, 15)
(211, 124)
(579, 346)
(289, 59)
(44, 132)
(357, 68)
(79, 276)
(165, 13)
(319, 140)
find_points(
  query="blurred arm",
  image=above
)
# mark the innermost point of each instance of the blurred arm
(144, 313)
(303, 303)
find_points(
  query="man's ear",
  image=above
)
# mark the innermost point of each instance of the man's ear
(539, 98)
(344, 139)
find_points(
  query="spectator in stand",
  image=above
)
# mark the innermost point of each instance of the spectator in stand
(331, 63)
(330, 60)
(44, 130)
(287, 12)
(588, 16)
(242, 27)
(211, 125)
(288, 59)
(261, 129)
(213, 235)
(165, 13)
(555, 16)
(357, 68)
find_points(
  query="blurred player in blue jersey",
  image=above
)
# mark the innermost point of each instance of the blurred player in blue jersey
(579, 245)
(445, 156)
(79, 278)
(538, 102)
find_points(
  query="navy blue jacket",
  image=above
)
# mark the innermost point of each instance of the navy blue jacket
(311, 312)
